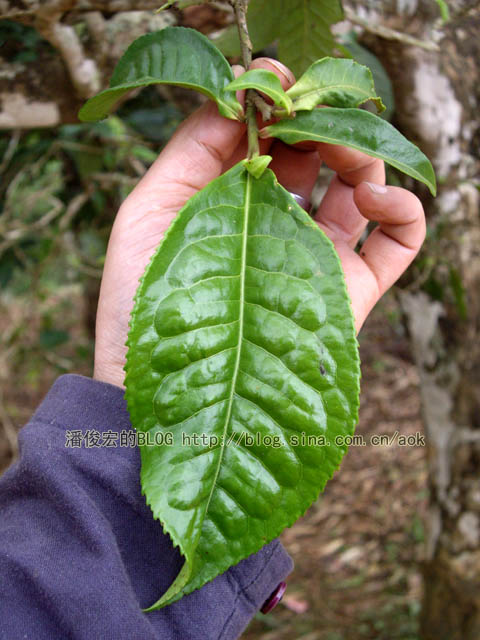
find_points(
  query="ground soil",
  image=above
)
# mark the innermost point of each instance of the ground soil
(358, 550)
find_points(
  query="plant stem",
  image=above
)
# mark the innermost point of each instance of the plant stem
(240, 7)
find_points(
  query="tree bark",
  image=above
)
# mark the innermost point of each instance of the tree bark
(29, 10)
(78, 67)
(437, 100)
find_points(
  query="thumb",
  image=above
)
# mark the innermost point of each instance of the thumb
(193, 157)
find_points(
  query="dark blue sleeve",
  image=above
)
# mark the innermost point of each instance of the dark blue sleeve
(80, 554)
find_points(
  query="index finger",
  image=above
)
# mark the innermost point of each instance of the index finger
(338, 213)
(352, 166)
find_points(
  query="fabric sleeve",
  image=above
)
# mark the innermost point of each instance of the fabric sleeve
(80, 553)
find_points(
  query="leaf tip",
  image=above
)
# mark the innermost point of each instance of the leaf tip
(89, 111)
(378, 102)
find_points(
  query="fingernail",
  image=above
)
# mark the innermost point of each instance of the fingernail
(238, 70)
(285, 71)
(378, 189)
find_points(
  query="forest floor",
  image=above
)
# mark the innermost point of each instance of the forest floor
(359, 548)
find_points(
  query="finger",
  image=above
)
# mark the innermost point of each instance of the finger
(339, 216)
(361, 283)
(352, 166)
(286, 77)
(392, 246)
(296, 170)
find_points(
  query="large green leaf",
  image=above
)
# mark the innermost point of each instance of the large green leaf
(336, 82)
(301, 27)
(174, 55)
(360, 130)
(242, 331)
(306, 34)
(265, 81)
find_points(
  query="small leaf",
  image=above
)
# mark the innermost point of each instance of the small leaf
(256, 166)
(174, 55)
(266, 82)
(241, 347)
(336, 82)
(360, 130)
(165, 6)
(444, 10)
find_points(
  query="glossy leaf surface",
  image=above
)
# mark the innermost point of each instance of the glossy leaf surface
(336, 82)
(242, 333)
(174, 55)
(360, 130)
(266, 82)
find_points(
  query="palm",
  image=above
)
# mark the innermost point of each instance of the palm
(205, 146)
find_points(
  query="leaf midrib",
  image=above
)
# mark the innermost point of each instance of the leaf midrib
(243, 265)
(395, 163)
(331, 87)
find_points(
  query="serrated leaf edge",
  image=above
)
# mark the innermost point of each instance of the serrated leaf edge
(210, 575)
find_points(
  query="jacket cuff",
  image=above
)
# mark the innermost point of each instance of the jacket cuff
(79, 403)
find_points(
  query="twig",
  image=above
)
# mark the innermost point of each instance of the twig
(240, 8)
(184, 4)
(265, 109)
(85, 264)
(17, 233)
(58, 361)
(114, 178)
(12, 145)
(389, 34)
(73, 208)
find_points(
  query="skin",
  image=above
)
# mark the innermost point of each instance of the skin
(205, 146)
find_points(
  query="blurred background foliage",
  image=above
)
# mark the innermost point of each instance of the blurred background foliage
(60, 189)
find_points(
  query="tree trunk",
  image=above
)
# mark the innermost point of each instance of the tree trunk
(78, 66)
(437, 101)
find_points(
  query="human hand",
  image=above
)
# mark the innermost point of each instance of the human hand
(205, 146)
